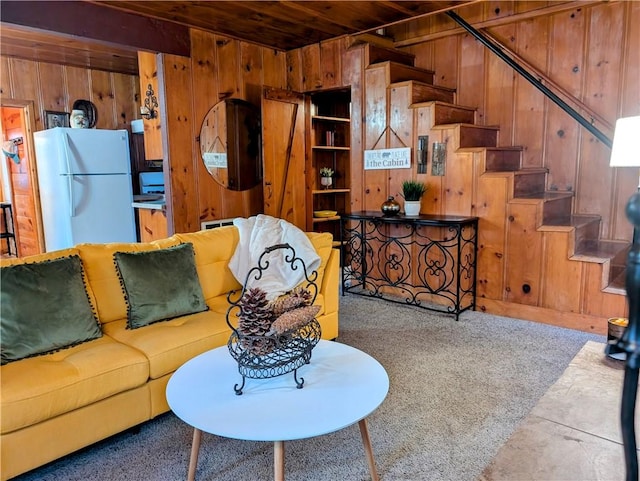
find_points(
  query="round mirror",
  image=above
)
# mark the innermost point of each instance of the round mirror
(230, 144)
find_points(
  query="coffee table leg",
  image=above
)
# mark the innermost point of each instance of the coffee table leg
(195, 449)
(278, 460)
(366, 442)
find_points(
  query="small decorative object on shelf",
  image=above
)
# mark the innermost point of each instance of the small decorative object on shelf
(412, 192)
(273, 337)
(326, 177)
(390, 207)
(439, 158)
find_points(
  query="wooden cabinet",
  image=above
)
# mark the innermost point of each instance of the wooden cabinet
(152, 224)
(329, 147)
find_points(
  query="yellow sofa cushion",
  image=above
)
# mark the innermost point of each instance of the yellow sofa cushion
(322, 243)
(213, 248)
(101, 273)
(169, 344)
(40, 388)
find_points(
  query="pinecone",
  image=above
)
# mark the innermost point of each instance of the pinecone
(294, 319)
(255, 319)
(297, 297)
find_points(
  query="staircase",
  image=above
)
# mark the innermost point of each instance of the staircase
(526, 233)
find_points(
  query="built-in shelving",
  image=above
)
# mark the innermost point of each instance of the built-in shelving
(330, 191)
(330, 147)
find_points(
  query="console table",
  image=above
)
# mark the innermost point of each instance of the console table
(427, 261)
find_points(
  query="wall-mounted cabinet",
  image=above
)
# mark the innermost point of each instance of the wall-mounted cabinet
(329, 148)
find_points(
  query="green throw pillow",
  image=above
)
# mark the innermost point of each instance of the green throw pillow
(44, 308)
(160, 284)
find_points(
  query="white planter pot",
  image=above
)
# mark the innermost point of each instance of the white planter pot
(326, 181)
(411, 207)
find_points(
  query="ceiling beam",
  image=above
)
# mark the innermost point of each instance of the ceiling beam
(101, 24)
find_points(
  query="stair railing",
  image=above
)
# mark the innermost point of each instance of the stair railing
(498, 50)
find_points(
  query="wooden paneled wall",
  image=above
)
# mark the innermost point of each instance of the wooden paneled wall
(589, 49)
(47, 86)
(219, 67)
(56, 87)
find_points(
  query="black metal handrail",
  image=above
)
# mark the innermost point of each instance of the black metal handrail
(534, 81)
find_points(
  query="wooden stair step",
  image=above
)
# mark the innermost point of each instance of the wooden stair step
(498, 160)
(446, 113)
(424, 92)
(399, 72)
(503, 159)
(529, 181)
(472, 135)
(587, 230)
(602, 251)
(618, 284)
(377, 54)
(556, 207)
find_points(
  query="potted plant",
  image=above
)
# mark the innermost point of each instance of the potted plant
(326, 177)
(412, 192)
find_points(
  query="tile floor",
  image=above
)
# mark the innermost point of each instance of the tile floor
(573, 433)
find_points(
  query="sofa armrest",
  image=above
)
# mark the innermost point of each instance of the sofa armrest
(331, 282)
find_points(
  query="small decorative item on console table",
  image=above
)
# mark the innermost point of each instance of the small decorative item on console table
(426, 260)
(273, 337)
(412, 192)
(390, 207)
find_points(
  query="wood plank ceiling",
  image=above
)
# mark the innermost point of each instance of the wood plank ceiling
(45, 31)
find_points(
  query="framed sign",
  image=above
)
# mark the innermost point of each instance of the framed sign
(215, 159)
(55, 119)
(387, 159)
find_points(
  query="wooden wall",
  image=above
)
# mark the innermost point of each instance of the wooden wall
(46, 86)
(591, 51)
(55, 87)
(219, 67)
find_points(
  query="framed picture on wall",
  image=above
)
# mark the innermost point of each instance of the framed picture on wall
(55, 119)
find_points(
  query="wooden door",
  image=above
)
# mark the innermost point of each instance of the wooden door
(24, 195)
(283, 148)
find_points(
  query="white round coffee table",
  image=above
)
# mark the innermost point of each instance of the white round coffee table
(342, 386)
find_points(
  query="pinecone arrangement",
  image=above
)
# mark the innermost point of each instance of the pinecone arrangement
(259, 319)
(298, 297)
(255, 319)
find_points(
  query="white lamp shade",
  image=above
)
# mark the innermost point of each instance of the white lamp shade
(626, 143)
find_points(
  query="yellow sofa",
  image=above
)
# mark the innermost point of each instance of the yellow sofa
(57, 403)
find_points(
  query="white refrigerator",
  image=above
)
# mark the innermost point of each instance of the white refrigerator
(84, 176)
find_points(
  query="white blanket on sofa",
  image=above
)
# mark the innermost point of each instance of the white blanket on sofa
(262, 231)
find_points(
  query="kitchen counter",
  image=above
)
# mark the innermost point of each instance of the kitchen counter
(148, 201)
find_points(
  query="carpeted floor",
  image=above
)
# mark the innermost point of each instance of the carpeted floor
(457, 391)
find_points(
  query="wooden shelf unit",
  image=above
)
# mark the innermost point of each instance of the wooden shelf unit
(329, 143)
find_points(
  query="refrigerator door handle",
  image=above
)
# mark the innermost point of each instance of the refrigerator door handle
(67, 154)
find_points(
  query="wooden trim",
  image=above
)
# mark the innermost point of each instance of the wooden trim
(496, 22)
(416, 17)
(569, 320)
(28, 109)
(70, 18)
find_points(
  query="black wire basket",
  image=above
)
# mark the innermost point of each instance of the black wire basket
(271, 355)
